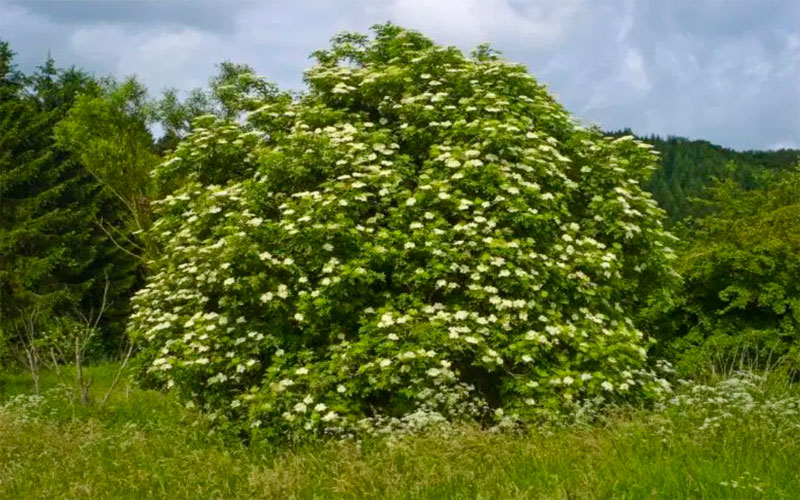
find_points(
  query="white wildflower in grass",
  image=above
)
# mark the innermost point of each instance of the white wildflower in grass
(471, 222)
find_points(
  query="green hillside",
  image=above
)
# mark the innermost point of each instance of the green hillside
(689, 166)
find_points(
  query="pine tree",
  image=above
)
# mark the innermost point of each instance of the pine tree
(53, 256)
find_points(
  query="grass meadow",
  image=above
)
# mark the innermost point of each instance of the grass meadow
(722, 439)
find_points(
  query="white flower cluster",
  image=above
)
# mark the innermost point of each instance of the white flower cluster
(743, 398)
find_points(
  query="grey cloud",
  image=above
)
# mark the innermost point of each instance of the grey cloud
(208, 15)
(727, 71)
(721, 18)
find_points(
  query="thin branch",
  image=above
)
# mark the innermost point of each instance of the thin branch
(118, 374)
(116, 193)
(121, 233)
(28, 354)
(104, 303)
(114, 241)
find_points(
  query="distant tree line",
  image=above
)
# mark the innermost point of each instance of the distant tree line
(689, 167)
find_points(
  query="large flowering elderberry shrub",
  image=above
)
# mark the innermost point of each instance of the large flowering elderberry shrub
(418, 237)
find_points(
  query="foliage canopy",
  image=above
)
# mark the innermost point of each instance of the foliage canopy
(740, 265)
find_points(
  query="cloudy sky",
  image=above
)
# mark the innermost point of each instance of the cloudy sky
(723, 70)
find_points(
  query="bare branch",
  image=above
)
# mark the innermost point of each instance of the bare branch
(118, 373)
(116, 193)
(104, 303)
(27, 351)
(114, 241)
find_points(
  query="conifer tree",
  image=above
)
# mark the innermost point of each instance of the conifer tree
(53, 256)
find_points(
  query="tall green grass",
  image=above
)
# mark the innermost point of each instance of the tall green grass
(740, 440)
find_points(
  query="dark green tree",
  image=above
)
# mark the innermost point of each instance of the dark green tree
(53, 255)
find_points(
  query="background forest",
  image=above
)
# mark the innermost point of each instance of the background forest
(85, 164)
